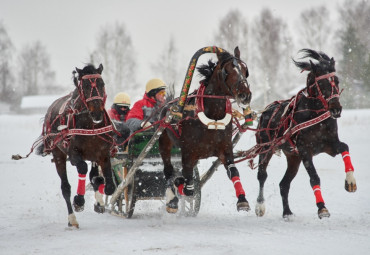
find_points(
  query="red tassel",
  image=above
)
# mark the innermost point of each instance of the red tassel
(347, 161)
(317, 192)
(101, 188)
(238, 186)
(81, 184)
(181, 189)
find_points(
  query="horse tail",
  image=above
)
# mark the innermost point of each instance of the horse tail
(39, 148)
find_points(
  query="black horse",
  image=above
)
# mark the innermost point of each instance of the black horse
(77, 127)
(303, 127)
(207, 131)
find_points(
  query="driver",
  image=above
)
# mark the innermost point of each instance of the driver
(144, 112)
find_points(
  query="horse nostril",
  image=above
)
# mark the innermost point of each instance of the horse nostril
(242, 96)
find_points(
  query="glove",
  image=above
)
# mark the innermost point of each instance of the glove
(145, 124)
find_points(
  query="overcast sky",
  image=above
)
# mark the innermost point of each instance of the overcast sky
(68, 28)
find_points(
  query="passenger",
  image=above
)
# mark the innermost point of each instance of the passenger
(120, 107)
(118, 114)
(146, 111)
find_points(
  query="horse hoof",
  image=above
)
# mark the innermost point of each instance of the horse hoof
(72, 221)
(243, 206)
(172, 205)
(350, 187)
(79, 203)
(288, 217)
(323, 213)
(73, 225)
(171, 210)
(98, 208)
(260, 209)
(78, 208)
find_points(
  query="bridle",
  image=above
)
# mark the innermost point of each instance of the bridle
(241, 78)
(335, 93)
(92, 78)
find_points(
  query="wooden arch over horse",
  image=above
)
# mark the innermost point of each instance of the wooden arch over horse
(207, 131)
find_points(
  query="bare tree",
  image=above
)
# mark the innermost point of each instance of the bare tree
(315, 28)
(35, 74)
(272, 49)
(354, 48)
(115, 50)
(6, 55)
(233, 31)
(356, 14)
(167, 66)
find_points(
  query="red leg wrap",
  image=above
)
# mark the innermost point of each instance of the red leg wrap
(180, 188)
(238, 186)
(317, 192)
(81, 184)
(101, 188)
(347, 161)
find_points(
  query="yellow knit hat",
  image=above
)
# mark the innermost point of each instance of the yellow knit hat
(122, 98)
(154, 84)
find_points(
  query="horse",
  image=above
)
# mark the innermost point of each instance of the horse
(303, 127)
(207, 131)
(77, 127)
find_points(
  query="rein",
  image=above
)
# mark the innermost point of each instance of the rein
(287, 122)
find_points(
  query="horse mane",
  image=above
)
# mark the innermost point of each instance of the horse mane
(323, 60)
(206, 70)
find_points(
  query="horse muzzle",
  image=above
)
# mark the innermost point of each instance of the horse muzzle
(96, 111)
(335, 108)
(243, 99)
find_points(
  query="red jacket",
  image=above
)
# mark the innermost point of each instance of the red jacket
(140, 112)
(114, 115)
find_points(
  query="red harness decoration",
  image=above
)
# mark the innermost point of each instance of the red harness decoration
(290, 126)
(210, 123)
(200, 100)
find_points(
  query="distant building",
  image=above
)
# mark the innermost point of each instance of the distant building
(36, 104)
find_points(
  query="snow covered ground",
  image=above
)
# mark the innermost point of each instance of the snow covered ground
(34, 216)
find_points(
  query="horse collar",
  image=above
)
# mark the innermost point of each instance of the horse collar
(210, 123)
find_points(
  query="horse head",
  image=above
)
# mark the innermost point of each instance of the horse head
(322, 83)
(233, 73)
(91, 90)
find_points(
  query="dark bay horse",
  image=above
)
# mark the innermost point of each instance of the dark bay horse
(77, 127)
(207, 131)
(303, 127)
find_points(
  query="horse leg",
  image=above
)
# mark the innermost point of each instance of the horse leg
(94, 171)
(60, 162)
(97, 183)
(315, 184)
(293, 162)
(79, 199)
(263, 161)
(165, 146)
(106, 167)
(233, 174)
(350, 181)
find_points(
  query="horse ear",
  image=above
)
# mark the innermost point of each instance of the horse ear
(100, 69)
(237, 52)
(332, 63)
(313, 67)
(78, 70)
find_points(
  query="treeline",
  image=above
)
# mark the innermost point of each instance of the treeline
(267, 43)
